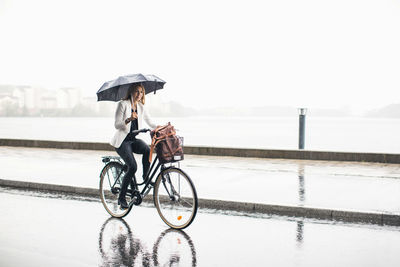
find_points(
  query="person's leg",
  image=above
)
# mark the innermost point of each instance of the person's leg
(140, 147)
(125, 152)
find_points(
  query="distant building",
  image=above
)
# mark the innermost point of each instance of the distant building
(9, 97)
(48, 100)
(16, 100)
(72, 96)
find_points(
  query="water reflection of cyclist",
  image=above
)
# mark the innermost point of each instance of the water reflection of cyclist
(118, 247)
(129, 116)
(174, 247)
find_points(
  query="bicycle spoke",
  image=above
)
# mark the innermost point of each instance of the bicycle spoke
(190, 204)
(108, 178)
(109, 191)
(176, 200)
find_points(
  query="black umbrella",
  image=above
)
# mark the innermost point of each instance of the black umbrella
(117, 89)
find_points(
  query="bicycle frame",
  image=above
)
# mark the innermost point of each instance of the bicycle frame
(148, 184)
(148, 178)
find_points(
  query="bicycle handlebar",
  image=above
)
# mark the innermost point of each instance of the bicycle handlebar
(141, 131)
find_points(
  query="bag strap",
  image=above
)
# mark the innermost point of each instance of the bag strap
(153, 141)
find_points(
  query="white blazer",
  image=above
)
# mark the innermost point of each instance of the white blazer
(124, 111)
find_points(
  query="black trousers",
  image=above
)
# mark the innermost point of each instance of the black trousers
(128, 147)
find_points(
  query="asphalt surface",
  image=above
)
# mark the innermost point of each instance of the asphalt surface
(56, 230)
(367, 187)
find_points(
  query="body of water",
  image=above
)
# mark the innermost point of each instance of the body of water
(322, 133)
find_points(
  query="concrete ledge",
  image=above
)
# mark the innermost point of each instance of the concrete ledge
(352, 216)
(226, 205)
(295, 211)
(246, 207)
(56, 144)
(294, 154)
(92, 192)
(221, 151)
(390, 219)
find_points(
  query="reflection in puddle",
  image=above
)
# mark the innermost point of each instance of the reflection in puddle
(300, 232)
(169, 248)
(302, 198)
(119, 247)
(302, 188)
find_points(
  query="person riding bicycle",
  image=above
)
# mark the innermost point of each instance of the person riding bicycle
(129, 117)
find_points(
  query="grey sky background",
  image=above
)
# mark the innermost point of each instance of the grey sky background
(211, 53)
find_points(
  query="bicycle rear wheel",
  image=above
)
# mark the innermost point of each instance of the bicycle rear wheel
(110, 184)
(175, 198)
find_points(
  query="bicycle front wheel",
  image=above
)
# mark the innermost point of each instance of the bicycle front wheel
(175, 198)
(110, 184)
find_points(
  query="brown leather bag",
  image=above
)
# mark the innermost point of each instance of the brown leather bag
(167, 144)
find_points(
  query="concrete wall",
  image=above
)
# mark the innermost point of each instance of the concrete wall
(219, 151)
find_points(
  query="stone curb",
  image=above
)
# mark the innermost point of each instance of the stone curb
(220, 151)
(282, 210)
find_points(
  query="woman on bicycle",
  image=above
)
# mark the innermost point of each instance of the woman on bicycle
(129, 116)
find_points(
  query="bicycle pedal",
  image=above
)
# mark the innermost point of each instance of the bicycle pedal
(115, 190)
(136, 198)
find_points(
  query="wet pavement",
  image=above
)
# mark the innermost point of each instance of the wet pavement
(56, 230)
(370, 187)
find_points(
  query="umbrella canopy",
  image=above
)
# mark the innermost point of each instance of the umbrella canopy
(117, 89)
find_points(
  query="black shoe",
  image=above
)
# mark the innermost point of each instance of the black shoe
(123, 204)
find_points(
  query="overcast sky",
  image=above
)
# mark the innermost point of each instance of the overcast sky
(211, 52)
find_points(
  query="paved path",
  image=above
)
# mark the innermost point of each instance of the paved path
(50, 230)
(367, 187)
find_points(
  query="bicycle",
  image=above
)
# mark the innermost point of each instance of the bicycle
(174, 194)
